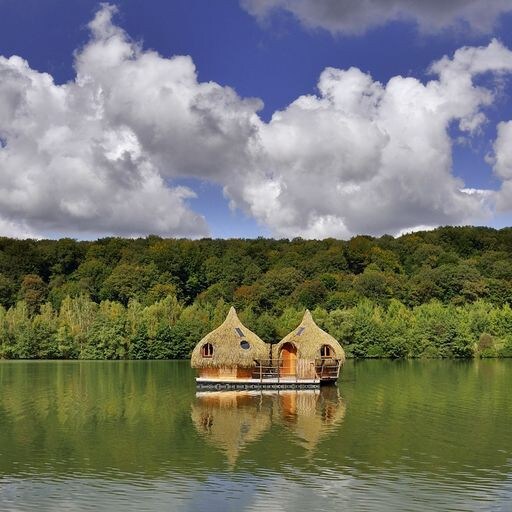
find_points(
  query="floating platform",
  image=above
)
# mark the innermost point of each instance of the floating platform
(210, 384)
(223, 394)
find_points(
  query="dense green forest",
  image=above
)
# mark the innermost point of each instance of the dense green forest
(441, 293)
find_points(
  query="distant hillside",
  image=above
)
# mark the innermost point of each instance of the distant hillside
(154, 297)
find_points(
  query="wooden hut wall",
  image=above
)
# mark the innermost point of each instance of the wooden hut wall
(208, 372)
(305, 369)
(243, 373)
(227, 373)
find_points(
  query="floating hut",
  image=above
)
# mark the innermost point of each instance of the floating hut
(229, 352)
(232, 357)
(309, 352)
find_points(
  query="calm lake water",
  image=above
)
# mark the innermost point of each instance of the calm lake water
(134, 436)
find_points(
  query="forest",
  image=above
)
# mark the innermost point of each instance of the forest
(431, 294)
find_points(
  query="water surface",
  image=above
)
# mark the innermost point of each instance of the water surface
(105, 436)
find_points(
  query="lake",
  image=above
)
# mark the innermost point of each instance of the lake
(135, 436)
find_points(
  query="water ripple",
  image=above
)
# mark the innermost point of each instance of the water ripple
(417, 436)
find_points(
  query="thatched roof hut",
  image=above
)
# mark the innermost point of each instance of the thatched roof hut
(309, 340)
(231, 345)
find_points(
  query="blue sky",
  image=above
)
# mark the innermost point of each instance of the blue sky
(275, 55)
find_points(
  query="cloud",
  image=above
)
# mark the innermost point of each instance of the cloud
(98, 155)
(356, 16)
(502, 160)
(191, 128)
(365, 157)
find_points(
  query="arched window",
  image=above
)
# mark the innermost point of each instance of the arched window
(326, 351)
(207, 350)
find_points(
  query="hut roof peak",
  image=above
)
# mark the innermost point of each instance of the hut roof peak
(307, 316)
(232, 319)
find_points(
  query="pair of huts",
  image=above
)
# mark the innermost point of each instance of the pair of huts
(233, 353)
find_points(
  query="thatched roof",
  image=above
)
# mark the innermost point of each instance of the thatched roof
(230, 420)
(227, 349)
(309, 338)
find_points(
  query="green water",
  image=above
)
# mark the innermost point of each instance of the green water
(133, 436)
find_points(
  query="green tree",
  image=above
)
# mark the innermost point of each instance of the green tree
(310, 293)
(129, 281)
(107, 338)
(33, 292)
(7, 291)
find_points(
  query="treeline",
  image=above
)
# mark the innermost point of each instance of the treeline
(443, 293)
(82, 329)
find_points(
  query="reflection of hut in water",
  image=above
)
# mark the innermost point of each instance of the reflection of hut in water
(310, 415)
(230, 420)
(309, 352)
(229, 352)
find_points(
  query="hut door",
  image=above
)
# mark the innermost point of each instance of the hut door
(289, 360)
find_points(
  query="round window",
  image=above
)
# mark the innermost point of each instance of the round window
(245, 345)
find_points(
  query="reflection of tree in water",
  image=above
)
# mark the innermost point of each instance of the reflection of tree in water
(75, 417)
(126, 418)
(232, 420)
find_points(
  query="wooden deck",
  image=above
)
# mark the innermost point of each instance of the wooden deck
(271, 375)
(253, 392)
(256, 384)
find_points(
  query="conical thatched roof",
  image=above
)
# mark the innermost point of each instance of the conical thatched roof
(309, 338)
(228, 351)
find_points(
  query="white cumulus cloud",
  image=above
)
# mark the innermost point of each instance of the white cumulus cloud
(365, 157)
(97, 155)
(503, 165)
(94, 155)
(356, 16)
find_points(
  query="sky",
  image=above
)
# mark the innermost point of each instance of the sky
(246, 118)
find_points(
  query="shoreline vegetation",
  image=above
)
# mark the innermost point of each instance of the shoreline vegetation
(444, 293)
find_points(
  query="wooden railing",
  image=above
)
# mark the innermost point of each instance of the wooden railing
(266, 370)
(325, 369)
